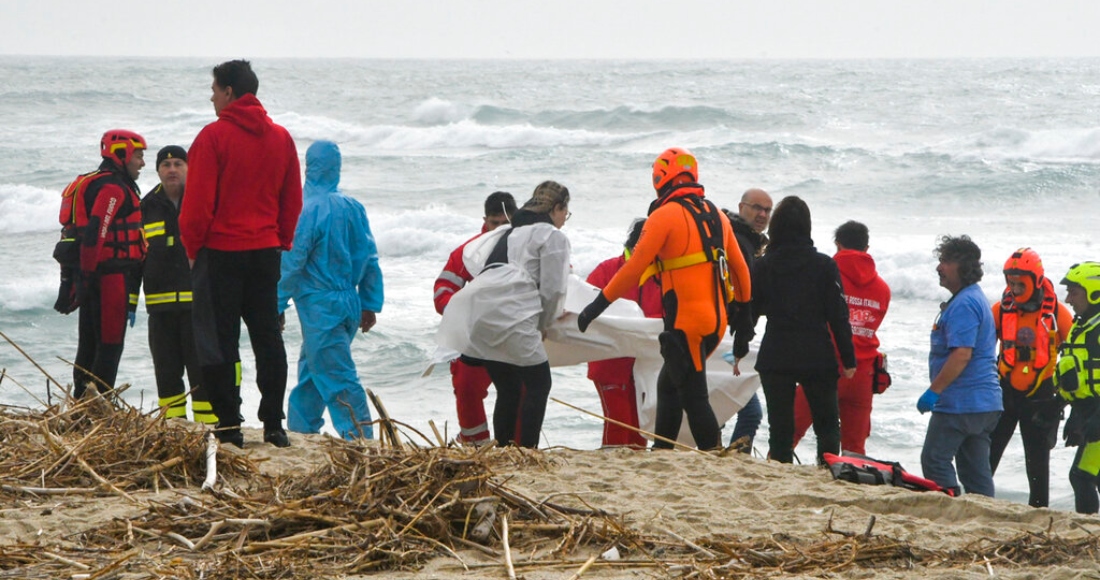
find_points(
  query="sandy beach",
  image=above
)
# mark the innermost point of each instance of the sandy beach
(276, 513)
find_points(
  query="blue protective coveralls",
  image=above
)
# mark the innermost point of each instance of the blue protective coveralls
(332, 274)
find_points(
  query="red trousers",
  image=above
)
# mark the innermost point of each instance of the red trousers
(620, 403)
(854, 399)
(471, 386)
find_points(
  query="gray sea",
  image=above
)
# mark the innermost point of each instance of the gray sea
(1007, 151)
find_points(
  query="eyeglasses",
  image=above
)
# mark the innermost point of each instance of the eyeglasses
(758, 208)
(568, 214)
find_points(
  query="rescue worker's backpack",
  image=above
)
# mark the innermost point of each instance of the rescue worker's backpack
(67, 249)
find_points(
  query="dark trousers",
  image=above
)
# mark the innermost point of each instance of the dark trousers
(820, 390)
(1086, 485)
(172, 344)
(229, 287)
(1038, 440)
(521, 401)
(683, 392)
(102, 329)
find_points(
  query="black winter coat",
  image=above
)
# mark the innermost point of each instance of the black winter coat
(165, 274)
(800, 291)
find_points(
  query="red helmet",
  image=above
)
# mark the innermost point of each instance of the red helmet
(119, 145)
(1025, 261)
(672, 163)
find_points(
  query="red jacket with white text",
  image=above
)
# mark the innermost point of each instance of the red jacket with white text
(868, 298)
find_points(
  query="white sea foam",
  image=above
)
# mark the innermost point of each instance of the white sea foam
(1003, 151)
(436, 111)
(25, 208)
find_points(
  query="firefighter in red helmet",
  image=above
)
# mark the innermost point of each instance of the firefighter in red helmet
(102, 232)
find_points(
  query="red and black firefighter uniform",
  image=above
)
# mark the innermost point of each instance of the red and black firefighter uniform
(1078, 379)
(101, 219)
(1030, 328)
(166, 277)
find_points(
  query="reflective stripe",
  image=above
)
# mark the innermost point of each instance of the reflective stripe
(673, 264)
(448, 276)
(473, 432)
(166, 298)
(133, 299)
(1090, 459)
(237, 380)
(204, 412)
(443, 291)
(154, 229)
(175, 406)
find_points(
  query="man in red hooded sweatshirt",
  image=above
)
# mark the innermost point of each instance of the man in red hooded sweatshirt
(244, 194)
(471, 383)
(868, 298)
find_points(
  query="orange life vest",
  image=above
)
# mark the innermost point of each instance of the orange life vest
(125, 235)
(1031, 347)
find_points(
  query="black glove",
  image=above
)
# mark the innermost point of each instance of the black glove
(592, 312)
(83, 288)
(1073, 431)
(1091, 430)
(66, 293)
(741, 327)
(740, 347)
(1046, 413)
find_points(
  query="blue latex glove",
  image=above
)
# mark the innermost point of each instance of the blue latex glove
(927, 401)
(132, 317)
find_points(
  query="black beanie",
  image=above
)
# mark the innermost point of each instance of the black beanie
(171, 152)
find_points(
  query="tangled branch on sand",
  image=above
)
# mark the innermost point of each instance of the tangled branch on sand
(371, 507)
(98, 447)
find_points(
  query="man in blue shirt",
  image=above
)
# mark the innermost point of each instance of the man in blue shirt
(333, 276)
(965, 394)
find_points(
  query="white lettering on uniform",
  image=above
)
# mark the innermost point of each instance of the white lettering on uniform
(110, 216)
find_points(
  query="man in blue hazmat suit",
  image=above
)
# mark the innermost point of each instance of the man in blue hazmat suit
(333, 276)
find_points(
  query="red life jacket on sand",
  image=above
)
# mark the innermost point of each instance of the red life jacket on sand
(125, 239)
(860, 469)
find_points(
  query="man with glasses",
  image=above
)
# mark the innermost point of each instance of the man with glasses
(752, 217)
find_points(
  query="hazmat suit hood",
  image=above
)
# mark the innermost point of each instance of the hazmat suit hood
(322, 169)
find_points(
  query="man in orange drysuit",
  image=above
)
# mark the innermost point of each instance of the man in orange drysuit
(688, 244)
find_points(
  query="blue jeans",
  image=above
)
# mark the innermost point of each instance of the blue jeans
(748, 420)
(964, 439)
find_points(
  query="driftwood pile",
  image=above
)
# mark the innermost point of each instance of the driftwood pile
(373, 508)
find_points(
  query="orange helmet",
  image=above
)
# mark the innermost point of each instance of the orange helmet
(119, 145)
(1026, 264)
(1025, 261)
(672, 163)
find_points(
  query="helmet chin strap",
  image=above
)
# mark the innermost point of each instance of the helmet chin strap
(1033, 303)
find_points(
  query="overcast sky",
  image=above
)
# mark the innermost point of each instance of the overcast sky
(552, 28)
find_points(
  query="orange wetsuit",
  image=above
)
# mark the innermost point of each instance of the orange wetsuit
(691, 295)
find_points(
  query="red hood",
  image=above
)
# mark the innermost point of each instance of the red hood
(859, 267)
(248, 114)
